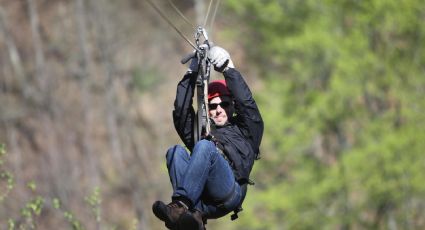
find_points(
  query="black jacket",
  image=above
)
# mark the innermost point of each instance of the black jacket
(240, 139)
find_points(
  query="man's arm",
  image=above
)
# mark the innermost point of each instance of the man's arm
(184, 114)
(245, 106)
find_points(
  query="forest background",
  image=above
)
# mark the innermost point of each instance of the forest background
(86, 95)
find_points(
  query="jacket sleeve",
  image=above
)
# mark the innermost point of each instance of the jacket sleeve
(245, 107)
(183, 113)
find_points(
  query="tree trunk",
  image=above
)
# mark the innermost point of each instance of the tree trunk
(38, 46)
(14, 57)
(104, 40)
(86, 100)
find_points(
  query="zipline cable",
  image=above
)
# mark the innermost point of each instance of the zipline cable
(213, 17)
(171, 24)
(208, 13)
(181, 14)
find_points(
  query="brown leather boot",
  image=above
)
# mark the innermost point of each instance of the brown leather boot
(191, 221)
(169, 213)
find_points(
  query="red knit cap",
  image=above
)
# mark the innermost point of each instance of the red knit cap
(217, 88)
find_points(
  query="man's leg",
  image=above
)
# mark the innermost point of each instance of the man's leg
(208, 173)
(177, 161)
(205, 171)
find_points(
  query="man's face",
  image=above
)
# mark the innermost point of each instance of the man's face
(219, 108)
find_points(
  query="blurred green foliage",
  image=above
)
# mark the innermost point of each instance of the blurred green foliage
(94, 201)
(34, 207)
(2, 153)
(7, 181)
(344, 110)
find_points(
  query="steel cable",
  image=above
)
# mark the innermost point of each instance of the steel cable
(208, 13)
(171, 24)
(181, 14)
(213, 17)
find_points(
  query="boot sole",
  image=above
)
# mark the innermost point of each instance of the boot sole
(157, 210)
(187, 222)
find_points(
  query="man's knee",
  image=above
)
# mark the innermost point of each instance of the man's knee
(176, 152)
(205, 147)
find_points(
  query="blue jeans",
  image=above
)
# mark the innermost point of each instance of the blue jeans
(205, 178)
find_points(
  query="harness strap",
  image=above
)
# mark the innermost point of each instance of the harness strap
(238, 209)
(227, 197)
(222, 153)
(244, 187)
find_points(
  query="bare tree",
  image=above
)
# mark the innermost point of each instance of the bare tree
(14, 56)
(37, 45)
(104, 40)
(18, 72)
(84, 83)
(44, 109)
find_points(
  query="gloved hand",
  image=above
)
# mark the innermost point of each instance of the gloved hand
(220, 59)
(194, 65)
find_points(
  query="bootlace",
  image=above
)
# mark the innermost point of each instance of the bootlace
(177, 204)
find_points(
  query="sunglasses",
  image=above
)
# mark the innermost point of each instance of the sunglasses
(223, 104)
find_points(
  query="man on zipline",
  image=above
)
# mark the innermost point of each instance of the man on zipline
(211, 181)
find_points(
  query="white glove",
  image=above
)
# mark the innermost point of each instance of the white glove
(220, 58)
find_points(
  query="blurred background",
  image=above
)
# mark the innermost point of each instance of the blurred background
(87, 90)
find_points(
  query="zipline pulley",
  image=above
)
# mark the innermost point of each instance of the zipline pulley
(201, 128)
